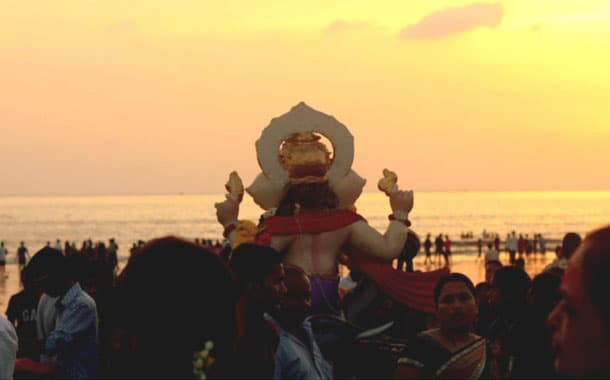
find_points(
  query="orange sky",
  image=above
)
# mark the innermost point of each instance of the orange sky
(152, 96)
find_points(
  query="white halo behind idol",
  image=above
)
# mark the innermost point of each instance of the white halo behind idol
(269, 186)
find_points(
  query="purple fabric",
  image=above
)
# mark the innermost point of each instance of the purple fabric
(324, 295)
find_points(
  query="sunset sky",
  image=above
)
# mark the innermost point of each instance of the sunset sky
(159, 96)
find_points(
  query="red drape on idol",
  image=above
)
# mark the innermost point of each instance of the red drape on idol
(412, 289)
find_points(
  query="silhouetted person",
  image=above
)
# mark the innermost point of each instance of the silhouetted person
(198, 306)
(409, 251)
(427, 249)
(580, 323)
(260, 279)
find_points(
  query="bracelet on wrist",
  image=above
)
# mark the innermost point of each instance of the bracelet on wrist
(229, 228)
(404, 220)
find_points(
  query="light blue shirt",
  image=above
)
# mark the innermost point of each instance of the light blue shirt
(295, 359)
(73, 342)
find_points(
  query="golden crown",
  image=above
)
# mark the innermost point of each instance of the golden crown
(305, 158)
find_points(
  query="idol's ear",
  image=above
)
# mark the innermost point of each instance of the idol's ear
(266, 193)
(348, 189)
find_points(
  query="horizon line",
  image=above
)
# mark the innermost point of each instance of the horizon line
(118, 194)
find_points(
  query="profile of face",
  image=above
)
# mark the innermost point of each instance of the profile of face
(580, 340)
(273, 288)
(456, 308)
(296, 305)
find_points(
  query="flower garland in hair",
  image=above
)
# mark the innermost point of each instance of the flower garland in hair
(248, 232)
(202, 360)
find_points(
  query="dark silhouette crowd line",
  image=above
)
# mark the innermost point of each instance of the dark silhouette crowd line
(180, 309)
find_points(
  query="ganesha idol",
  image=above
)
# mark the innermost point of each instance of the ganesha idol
(308, 196)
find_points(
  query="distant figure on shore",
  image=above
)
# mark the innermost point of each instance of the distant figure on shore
(479, 248)
(438, 248)
(512, 246)
(580, 323)
(447, 250)
(492, 254)
(528, 245)
(58, 246)
(521, 245)
(542, 242)
(3, 252)
(427, 249)
(497, 243)
(22, 255)
(409, 251)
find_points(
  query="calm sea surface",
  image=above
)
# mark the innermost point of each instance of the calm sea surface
(37, 220)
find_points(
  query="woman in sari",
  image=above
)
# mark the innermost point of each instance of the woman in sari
(451, 351)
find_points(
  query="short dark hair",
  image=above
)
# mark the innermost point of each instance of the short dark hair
(482, 286)
(596, 264)
(452, 277)
(512, 282)
(47, 261)
(252, 263)
(570, 242)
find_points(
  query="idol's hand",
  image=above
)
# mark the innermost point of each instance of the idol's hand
(401, 201)
(227, 211)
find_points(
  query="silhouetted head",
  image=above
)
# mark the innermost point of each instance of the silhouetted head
(510, 287)
(544, 293)
(570, 242)
(580, 323)
(48, 269)
(260, 275)
(176, 296)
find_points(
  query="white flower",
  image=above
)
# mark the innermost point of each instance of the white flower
(209, 345)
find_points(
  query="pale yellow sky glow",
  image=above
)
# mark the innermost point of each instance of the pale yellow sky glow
(155, 96)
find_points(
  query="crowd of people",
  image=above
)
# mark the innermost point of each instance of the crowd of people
(178, 309)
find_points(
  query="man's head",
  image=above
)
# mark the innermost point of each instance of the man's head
(510, 287)
(570, 242)
(296, 305)
(482, 292)
(580, 323)
(49, 271)
(260, 275)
